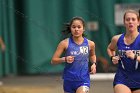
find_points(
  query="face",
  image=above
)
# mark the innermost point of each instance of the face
(77, 28)
(131, 22)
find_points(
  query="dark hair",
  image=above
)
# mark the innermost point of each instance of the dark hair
(67, 31)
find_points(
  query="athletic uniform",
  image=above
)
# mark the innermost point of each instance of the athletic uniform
(76, 74)
(128, 72)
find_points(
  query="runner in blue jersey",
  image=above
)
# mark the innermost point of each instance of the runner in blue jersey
(78, 51)
(127, 78)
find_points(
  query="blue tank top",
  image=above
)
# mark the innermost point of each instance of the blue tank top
(127, 63)
(78, 70)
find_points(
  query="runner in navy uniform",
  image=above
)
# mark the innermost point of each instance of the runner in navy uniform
(127, 78)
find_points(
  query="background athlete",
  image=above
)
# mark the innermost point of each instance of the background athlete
(127, 78)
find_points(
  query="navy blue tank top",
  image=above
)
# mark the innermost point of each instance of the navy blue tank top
(127, 63)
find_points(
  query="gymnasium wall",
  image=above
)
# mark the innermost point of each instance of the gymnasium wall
(32, 29)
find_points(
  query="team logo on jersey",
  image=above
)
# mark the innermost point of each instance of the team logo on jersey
(127, 47)
(122, 52)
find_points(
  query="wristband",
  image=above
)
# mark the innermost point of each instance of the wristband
(93, 63)
(111, 57)
(65, 59)
(135, 57)
(90, 64)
